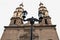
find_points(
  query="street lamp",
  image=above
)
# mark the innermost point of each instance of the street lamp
(32, 20)
(40, 15)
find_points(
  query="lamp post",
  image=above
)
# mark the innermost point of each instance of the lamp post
(32, 20)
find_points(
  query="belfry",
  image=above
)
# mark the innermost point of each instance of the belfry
(17, 30)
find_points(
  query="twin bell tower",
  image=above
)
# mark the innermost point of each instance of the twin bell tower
(17, 30)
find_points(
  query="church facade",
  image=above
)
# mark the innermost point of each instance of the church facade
(17, 30)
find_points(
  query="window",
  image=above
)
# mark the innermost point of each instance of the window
(14, 21)
(46, 21)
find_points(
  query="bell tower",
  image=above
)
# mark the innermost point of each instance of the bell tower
(17, 16)
(46, 18)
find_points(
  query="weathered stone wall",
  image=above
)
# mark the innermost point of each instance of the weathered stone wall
(39, 33)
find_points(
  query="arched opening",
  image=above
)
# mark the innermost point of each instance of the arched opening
(14, 21)
(46, 21)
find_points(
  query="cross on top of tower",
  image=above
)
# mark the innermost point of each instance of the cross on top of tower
(21, 4)
(40, 4)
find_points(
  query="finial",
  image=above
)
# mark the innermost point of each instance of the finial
(40, 4)
(21, 4)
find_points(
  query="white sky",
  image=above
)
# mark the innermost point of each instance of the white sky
(7, 8)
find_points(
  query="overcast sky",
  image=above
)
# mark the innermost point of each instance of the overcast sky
(7, 7)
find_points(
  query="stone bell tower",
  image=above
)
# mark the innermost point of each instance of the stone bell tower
(17, 16)
(46, 17)
(16, 30)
